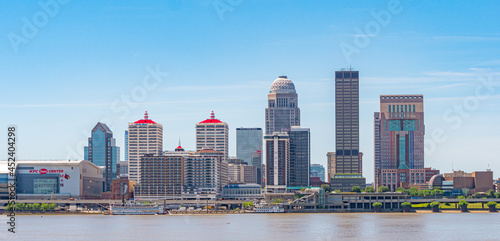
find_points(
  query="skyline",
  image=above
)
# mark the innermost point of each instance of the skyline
(75, 71)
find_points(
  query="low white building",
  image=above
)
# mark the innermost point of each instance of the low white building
(58, 179)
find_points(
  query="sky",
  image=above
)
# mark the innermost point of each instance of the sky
(67, 65)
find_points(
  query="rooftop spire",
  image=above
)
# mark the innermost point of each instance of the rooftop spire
(212, 116)
(146, 115)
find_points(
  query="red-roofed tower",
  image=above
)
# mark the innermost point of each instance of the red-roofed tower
(213, 134)
(144, 137)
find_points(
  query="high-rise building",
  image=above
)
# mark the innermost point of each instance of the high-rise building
(277, 158)
(213, 134)
(300, 157)
(348, 171)
(376, 144)
(249, 148)
(399, 138)
(144, 137)
(205, 174)
(161, 177)
(330, 159)
(318, 170)
(126, 146)
(102, 151)
(282, 110)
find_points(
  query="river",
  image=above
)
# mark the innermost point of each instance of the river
(351, 226)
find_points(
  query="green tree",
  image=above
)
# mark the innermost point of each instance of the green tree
(462, 203)
(279, 200)
(52, 206)
(491, 204)
(36, 206)
(356, 189)
(377, 204)
(383, 189)
(303, 189)
(44, 206)
(326, 187)
(401, 190)
(412, 191)
(434, 204)
(369, 189)
(478, 194)
(497, 195)
(337, 191)
(29, 206)
(490, 193)
(406, 204)
(460, 197)
(19, 206)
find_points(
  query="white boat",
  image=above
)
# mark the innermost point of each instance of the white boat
(269, 209)
(135, 209)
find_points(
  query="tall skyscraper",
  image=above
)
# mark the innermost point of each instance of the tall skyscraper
(282, 110)
(300, 157)
(347, 160)
(214, 134)
(102, 151)
(277, 158)
(144, 137)
(126, 146)
(249, 148)
(399, 133)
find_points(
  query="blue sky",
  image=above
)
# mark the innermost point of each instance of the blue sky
(86, 62)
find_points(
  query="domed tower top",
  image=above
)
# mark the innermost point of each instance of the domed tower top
(282, 85)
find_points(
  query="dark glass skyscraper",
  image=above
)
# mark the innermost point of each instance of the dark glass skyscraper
(102, 151)
(347, 122)
(277, 158)
(249, 148)
(300, 157)
(348, 171)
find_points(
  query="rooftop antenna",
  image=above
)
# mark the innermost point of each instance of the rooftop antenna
(179, 141)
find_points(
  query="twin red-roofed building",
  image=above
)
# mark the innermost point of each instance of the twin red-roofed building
(213, 134)
(144, 137)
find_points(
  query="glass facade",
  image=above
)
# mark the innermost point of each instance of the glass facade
(300, 157)
(45, 186)
(249, 148)
(102, 151)
(347, 122)
(318, 170)
(4, 193)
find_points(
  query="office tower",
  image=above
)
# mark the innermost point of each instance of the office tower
(126, 146)
(330, 159)
(144, 137)
(249, 148)
(347, 161)
(213, 133)
(300, 157)
(102, 151)
(376, 144)
(277, 158)
(399, 137)
(205, 174)
(318, 170)
(282, 110)
(161, 177)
